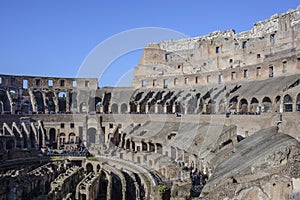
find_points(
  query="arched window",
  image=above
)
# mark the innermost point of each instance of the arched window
(288, 103)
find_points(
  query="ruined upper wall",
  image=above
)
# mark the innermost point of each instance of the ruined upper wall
(31, 82)
(214, 57)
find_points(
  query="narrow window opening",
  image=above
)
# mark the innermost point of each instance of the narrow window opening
(62, 125)
(0, 80)
(217, 49)
(165, 83)
(273, 38)
(230, 60)
(246, 73)
(271, 71)
(154, 82)
(175, 81)
(25, 84)
(86, 83)
(143, 83)
(62, 83)
(37, 82)
(167, 57)
(245, 45)
(74, 83)
(208, 78)
(72, 125)
(220, 78)
(196, 80)
(50, 83)
(258, 55)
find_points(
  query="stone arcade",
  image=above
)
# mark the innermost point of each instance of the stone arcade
(225, 105)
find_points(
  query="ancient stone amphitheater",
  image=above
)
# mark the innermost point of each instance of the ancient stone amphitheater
(211, 117)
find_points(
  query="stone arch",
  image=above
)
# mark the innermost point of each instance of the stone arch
(89, 168)
(50, 101)
(91, 136)
(151, 146)
(62, 102)
(254, 105)
(210, 107)
(243, 107)
(144, 146)
(39, 101)
(288, 103)
(233, 104)
(133, 107)
(159, 148)
(123, 108)
(62, 139)
(114, 108)
(267, 104)
(277, 104)
(178, 107)
(298, 102)
(103, 185)
(10, 144)
(72, 138)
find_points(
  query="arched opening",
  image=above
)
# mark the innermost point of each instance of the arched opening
(254, 105)
(152, 147)
(98, 168)
(50, 102)
(144, 146)
(39, 102)
(10, 144)
(102, 194)
(243, 108)
(277, 104)
(114, 108)
(97, 104)
(210, 107)
(178, 108)
(124, 108)
(132, 107)
(267, 104)
(159, 148)
(25, 107)
(233, 104)
(127, 144)
(62, 139)
(62, 106)
(91, 136)
(89, 168)
(72, 138)
(288, 103)
(52, 137)
(4, 102)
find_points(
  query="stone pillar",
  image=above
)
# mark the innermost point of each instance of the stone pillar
(67, 102)
(44, 102)
(148, 146)
(165, 108)
(155, 108)
(174, 108)
(138, 108)
(101, 108)
(146, 108)
(55, 100)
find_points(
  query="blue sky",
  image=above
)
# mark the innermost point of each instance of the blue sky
(53, 38)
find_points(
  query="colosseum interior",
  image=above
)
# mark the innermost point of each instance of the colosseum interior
(210, 117)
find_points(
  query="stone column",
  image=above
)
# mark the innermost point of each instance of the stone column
(155, 108)
(165, 108)
(55, 100)
(146, 108)
(44, 102)
(138, 108)
(174, 108)
(67, 102)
